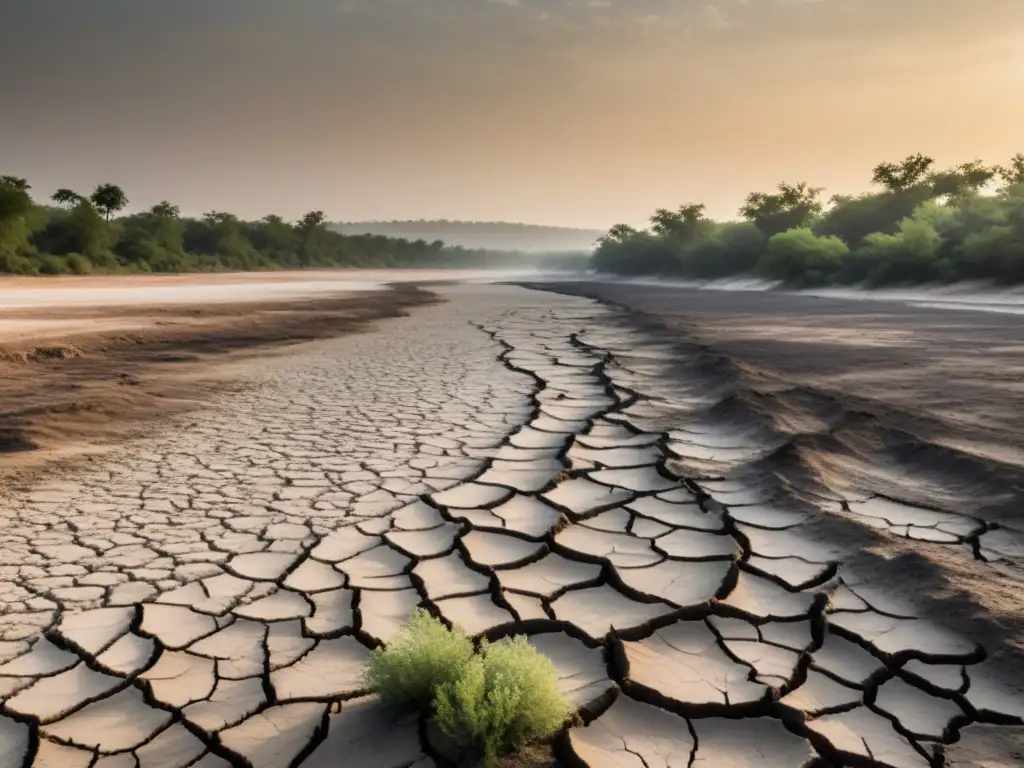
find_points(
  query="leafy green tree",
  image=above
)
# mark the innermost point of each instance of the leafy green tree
(165, 210)
(16, 183)
(625, 250)
(310, 227)
(913, 254)
(686, 222)
(730, 248)
(154, 240)
(276, 238)
(80, 230)
(852, 218)
(1013, 173)
(14, 202)
(75, 237)
(965, 178)
(16, 252)
(995, 254)
(220, 239)
(906, 185)
(109, 199)
(312, 220)
(620, 233)
(67, 198)
(791, 207)
(904, 175)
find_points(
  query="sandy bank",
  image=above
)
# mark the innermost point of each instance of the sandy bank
(217, 288)
(74, 378)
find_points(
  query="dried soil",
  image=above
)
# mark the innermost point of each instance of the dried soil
(76, 379)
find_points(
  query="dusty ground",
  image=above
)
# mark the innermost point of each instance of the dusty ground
(74, 379)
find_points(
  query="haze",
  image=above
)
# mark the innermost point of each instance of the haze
(570, 112)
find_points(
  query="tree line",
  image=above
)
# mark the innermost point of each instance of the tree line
(74, 233)
(920, 225)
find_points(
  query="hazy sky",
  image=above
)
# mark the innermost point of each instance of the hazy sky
(577, 112)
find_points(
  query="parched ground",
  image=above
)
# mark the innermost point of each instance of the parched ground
(518, 462)
(76, 376)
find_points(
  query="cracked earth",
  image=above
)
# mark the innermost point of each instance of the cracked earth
(518, 463)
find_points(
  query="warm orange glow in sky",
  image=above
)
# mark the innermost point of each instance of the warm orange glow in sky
(576, 112)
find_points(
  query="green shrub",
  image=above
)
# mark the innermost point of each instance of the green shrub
(52, 265)
(78, 264)
(417, 661)
(801, 257)
(730, 248)
(912, 254)
(12, 263)
(505, 696)
(996, 251)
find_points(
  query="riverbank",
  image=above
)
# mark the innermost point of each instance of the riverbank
(85, 363)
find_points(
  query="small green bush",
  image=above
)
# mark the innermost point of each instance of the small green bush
(506, 696)
(417, 661)
(52, 265)
(799, 256)
(78, 264)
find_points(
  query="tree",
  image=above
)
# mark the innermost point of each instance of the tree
(276, 238)
(14, 202)
(67, 197)
(1013, 173)
(309, 227)
(665, 222)
(16, 183)
(165, 210)
(219, 238)
(311, 221)
(81, 231)
(909, 173)
(109, 199)
(153, 240)
(16, 207)
(730, 248)
(963, 179)
(619, 233)
(791, 207)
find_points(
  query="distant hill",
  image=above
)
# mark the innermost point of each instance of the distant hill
(491, 235)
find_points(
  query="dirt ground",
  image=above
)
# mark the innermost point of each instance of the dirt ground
(75, 379)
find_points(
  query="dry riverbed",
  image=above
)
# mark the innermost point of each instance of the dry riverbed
(519, 462)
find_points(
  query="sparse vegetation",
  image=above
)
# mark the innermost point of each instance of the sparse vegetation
(924, 225)
(505, 697)
(424, 656)
(491, 703)
(80, 234)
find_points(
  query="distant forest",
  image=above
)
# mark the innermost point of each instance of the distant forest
(489, 235)
(922, 224)
(75, 233)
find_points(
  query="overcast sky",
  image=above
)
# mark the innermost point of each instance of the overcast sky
(576, 112)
